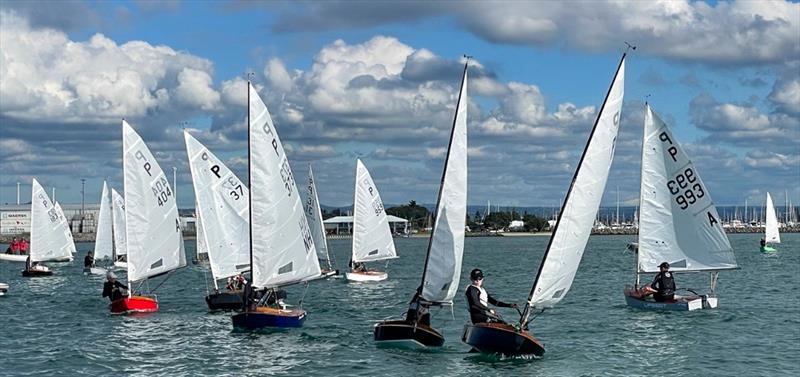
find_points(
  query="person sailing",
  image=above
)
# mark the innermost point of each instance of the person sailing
(417, 311)
(478, 300)
(88, 260)
(111, 288)
(663, 285)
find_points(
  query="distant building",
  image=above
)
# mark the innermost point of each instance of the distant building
(343, 225)
(516, 225)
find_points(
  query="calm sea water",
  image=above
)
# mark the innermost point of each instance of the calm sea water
(61, 326)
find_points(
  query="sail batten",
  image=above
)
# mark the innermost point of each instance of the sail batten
(153, 233)
(372, 237)
(222, 211)
(678, 223)
(573, 227)
(446, 246)
(282, 248)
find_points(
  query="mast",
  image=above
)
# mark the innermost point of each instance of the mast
(127, 256)
(249, 187)
(526, 312)
(444, 171)
(353, 231)
(638, 225)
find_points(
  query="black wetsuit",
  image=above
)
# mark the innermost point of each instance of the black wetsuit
(111, 290)
(88, 261)
(664, 285)
(478, 311)
(417, 311)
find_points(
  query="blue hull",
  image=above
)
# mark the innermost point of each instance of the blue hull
(258, 320)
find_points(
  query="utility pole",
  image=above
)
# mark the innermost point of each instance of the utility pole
(175, 184)
(54, 194)
(83, 197)
(17, 193)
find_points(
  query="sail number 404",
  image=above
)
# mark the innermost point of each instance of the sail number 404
(686, 188)
(161, 191)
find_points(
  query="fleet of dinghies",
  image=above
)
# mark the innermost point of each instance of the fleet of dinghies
(263, 235)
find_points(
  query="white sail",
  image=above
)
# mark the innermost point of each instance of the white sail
(202, 244)
(153, 233)
(67, 230)
(372, 238)
(103, 243)
(440, 282)
(678, 223)
(49, 241)
(314, 216)
(222, 212)
(575, 222)
(118, 214)
(771, 233)
(282, 246)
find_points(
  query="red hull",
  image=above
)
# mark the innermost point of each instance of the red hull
(134, 304)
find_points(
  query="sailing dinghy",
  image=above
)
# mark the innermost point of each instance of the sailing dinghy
(570, 235)
(103, 243)
(314, 216)
(120, 256)
(282, 250)
(3, 289)
(771, 233)
(201, 252)
(153, 234)
(442, 269)
(68, 232)
(678, 224)
(372, 237)
(49, 241)
(222, 221)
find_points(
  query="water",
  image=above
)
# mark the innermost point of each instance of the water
(61, 325)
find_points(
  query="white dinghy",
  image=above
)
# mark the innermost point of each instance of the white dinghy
(222, 221)
(103, 243)
(317, 227)
(372, 237)
(3, 289)
(120, 241)
(771, 234)
(678, 223)
(49, 239)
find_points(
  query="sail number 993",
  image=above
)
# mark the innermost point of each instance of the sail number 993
(686, 188)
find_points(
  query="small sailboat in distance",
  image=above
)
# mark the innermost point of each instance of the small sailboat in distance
(152, 227)
(678, 223)
(120, 256)
(222, 221)
(103, 243)
(282, 250)
(570, 235)
(372, 237)
(68, 232)
(314, 216)
(49, 240)
(771, 234)
(445, 247)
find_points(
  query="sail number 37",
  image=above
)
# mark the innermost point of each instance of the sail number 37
(686, 188)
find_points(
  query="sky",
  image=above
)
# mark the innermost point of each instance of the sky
(379, 81)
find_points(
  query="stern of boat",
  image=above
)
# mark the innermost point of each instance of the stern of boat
(266, 317)
(501, 338)
(228, 300)
(366, 276)
(134, 304)
(404, 334)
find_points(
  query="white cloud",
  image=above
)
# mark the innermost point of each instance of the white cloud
(786, 95)
(194, 89)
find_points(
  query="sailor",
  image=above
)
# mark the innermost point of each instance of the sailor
(417, 310)
(13, 247)
(111, 288)
(663, 284)
(359, 267)
(23, 246)
(478, 300)
(88, 260)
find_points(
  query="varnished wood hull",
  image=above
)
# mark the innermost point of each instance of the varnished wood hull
(405, 334)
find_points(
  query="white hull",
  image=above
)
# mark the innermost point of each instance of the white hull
(3, 289)
(367, 276)
(13, 258)
(122, 265)
(61, 259)
(94, 271)
(681, 304)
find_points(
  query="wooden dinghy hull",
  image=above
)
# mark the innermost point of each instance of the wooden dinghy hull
(134, 304)
(366, 276)
(229, 300)
(680, 304)
(500, 338)
(36, 273)
(265, 318)
(404, 334)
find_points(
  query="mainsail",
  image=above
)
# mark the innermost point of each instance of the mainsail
(49, 241)
(574, 224)
(118, 214)
(678, 223)
(372, 238)
(103, 244)
(446, 246)
(282, 247)
(771, 234)
(222, 212)
(314, 216)
(153, 233)
(65, 223)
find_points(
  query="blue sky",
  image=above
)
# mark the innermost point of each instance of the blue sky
(723, 75)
